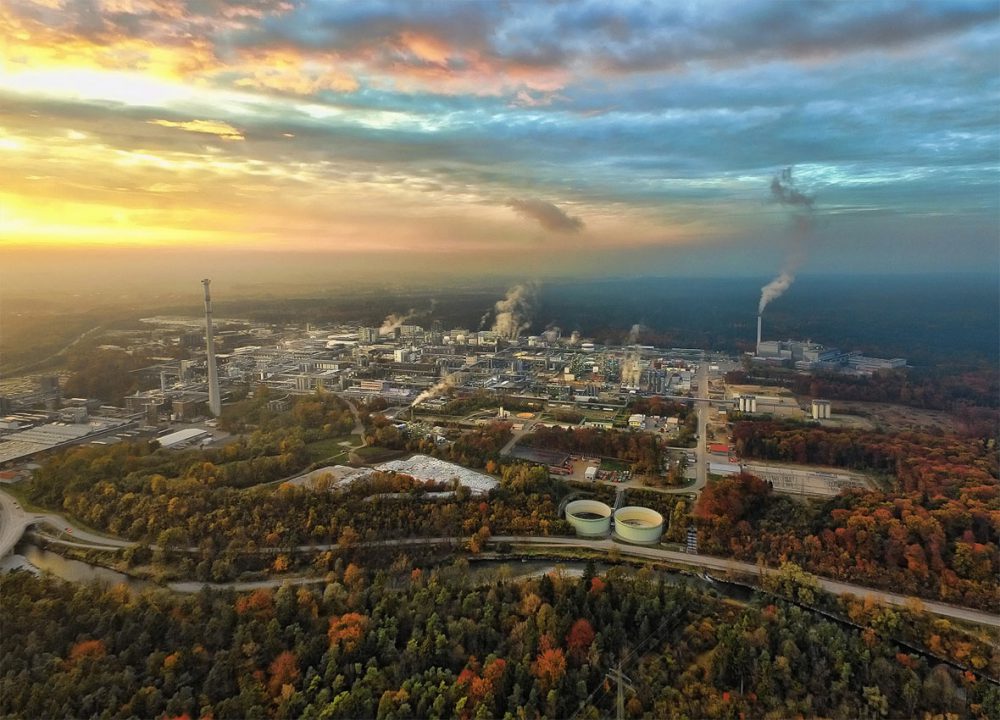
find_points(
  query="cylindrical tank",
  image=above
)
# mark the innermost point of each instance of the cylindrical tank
(638, 525)
(821, 409)
(590, 518)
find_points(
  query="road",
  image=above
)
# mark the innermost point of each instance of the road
(708, 562)
(14, 521)
(701, 562)
(359, 427)
(526, 427)
(702, 444)
(24, 369)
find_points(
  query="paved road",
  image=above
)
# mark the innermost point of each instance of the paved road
(526, 427)
(359, 427)
(702, 562)
(702, 410)
(708, 562)
(25, 369)
(13, 522)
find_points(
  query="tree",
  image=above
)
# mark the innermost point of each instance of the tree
(347, 630)
(579, 639)
(549, 667)
(283, 671)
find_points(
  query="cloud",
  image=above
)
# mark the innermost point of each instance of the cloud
(545, 214)
(208, 127)
(665, 121)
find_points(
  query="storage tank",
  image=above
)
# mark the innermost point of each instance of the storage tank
(590, 518)
(638, 525)
(821, 409)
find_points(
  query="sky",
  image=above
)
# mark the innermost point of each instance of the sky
(523, 138)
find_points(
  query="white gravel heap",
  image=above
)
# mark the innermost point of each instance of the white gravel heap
(424, 467)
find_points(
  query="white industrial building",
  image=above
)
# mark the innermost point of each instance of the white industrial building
(183, 437)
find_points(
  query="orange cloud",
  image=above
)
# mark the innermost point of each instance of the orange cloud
(427, 47)
(288, 70)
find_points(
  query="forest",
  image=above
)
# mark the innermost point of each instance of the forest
(273, 447)
(640, 449)
(935, 534)
(137, 492)
(410, 641)
(474, 448)
(969, 394)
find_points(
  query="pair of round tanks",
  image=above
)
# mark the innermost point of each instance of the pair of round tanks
(633, 524)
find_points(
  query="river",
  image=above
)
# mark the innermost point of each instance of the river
(76, 570)
(487, 570)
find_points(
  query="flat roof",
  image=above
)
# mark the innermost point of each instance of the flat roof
(175, 438)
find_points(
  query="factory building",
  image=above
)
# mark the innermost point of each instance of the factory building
(868, 365)
(807, 355)
(797, 351)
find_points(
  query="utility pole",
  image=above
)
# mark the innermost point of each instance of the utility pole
(621, 680)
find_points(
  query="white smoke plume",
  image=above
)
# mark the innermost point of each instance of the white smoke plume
(448, 381)
(514, 312)
(395, 320)
(633, 334)
(775, 289)
(784, 192)
(574, 337)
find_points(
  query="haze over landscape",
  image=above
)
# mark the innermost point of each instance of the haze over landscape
(144, 137)
(499, 359)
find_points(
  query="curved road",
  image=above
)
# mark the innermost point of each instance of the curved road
(703, 562)
(14, 521)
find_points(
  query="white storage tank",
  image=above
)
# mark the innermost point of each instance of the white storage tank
(821, 409)
(747, 403)
(590, 518)
(638, 525)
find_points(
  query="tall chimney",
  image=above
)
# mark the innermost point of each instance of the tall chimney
(758, 334)
(214, 400)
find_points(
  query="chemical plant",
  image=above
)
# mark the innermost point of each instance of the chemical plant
(573, 381)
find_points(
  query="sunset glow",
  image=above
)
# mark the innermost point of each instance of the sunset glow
(349, 127)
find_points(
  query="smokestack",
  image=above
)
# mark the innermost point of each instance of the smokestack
(758, 334)
(214, 400)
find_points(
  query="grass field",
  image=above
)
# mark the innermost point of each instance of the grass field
(20, 491)
(371, 454)
(332, 447)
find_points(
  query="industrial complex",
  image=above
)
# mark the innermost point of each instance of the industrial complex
(571, 381)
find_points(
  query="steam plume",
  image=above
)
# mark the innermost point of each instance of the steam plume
(514, 312)
(545, 214)
(775, 288)
(448, 381)
(633, 334)
(784, 192)
(395, 320)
